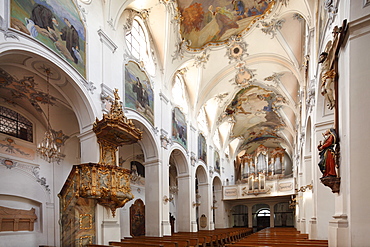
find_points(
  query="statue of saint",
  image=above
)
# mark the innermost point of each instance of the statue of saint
(327, 162)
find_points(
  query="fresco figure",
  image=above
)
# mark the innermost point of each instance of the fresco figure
(327, 162)
(225, 20)
(138, 89)
(70, 35)
(43, 17)
(239, 8)
(202, 148)
(179, 131)
(141, 94)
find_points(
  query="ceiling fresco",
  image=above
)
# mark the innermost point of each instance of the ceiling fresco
(243, 64)
(23, 89)
(213, 21)
(26, 88)
(258, 109)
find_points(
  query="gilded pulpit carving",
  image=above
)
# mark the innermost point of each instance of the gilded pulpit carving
(104, 183)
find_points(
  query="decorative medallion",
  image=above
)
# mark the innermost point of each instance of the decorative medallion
(236, 49)
(8, 163)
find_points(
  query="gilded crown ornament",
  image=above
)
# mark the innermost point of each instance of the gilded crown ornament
(114, 130)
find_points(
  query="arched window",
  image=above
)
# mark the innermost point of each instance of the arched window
(202, 121)
(178, 94)
(14, 124)
(263, 212)
(138, 45)
(217, 140)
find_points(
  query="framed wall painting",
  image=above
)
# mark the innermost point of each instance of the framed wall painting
(54, 23)
(139, 94)
(202, 148)
(179, 127)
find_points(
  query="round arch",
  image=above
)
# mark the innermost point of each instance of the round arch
(177, 155)
(179, 184)
(65, 79)
(148, 143)
(201, 173)
(261, 220)
(217, 204)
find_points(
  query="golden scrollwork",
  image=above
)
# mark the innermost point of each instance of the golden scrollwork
(85, 240)
(109, 185)
(113, 131)
(85, 221)
(105, 182)
(68, 196)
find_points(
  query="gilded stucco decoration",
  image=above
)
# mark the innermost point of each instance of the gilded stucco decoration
(31, 170)
(201, 60)
(244, 75)
(179, 52)
(275, 78)
(272, 27)
(4, 29)
(25, 88)
(236, 49)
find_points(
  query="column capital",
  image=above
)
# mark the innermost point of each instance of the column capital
(153, 162)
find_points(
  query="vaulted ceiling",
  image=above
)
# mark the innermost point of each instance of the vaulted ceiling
(244, 63)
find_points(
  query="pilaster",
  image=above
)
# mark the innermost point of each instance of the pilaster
(338, 231)
(153, 199)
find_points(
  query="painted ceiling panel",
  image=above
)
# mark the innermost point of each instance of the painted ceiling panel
(214, 21)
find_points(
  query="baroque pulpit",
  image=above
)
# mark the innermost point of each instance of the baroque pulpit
(102, 183)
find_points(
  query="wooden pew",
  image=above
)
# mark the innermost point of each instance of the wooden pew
(203, 238)
(217, 237)
(181, 240)
(138, 244)
(98, 245)
(279, 237)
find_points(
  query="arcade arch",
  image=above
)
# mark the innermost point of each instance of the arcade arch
(180, 191)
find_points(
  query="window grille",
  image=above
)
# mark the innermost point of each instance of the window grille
(14, 124)
(136, 41)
